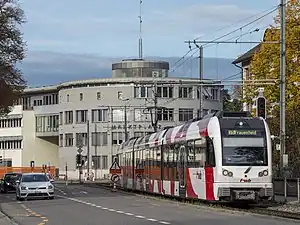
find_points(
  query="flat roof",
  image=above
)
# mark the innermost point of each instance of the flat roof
(117, 80)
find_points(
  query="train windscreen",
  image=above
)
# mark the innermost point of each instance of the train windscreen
(244, 148)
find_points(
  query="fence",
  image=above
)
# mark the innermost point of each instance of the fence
(287, 187)
(4, 170)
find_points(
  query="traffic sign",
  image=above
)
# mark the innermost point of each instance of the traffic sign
(115, 178)
(79, 150)
(115, 168)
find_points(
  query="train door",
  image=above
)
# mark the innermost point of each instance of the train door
(182, 169)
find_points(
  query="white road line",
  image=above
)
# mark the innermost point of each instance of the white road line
(61, 191)
(114, 210)
(141, 217)
(163, 222)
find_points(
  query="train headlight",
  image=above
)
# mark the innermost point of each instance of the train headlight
(227, 173)
(263, 173)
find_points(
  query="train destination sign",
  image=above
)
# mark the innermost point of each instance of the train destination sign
(242, 132)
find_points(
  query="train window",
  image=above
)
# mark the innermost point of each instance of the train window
(191, 155)
(200, 152)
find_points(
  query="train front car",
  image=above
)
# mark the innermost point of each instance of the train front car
(243, 151)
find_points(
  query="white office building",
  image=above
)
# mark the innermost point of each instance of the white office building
(51, 121)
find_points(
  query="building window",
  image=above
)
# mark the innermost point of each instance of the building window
(117, 138)
(5, 162)
(140, 133)
(164, 92)
(120, 94)
(142, 92)
(68, 117)
(61, 140)
(81, 139)
(141, 115)
(81, 96)
(69, 139)
(185, 92)
(214, 94)
(37, 102)
(47, 123)
(185, 114)
(117, 115)
(99, 139)
(11, 144)
(100, 162)
(50, 99)
(81, 116)
(10, 123)
(98, 95)
(99, 115)
(68, 97)
(61, 119)
(165, 114)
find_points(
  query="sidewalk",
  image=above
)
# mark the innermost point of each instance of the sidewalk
(4, 220)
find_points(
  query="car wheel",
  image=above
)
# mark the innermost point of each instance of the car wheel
(51, 198)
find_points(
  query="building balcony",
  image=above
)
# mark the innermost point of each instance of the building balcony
(47, 131)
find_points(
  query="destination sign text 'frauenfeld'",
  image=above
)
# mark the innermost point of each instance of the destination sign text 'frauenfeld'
(242, 132)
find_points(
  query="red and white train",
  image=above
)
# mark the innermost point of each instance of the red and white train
(226, 156)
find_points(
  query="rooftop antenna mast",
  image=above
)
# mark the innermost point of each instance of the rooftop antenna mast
(140, 39)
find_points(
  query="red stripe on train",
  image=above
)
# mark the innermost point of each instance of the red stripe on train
(209, 183)
(189, 186)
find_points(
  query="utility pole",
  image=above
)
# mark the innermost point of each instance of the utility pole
(282, 81)
(155, 108)
(96, 163)
(125, 122)
(88, 149)
(201, 79)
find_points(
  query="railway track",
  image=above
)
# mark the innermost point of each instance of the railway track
(261, 209)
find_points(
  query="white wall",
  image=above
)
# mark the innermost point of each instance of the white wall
(34, 148)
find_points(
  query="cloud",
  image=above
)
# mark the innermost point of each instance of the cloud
(44, 68)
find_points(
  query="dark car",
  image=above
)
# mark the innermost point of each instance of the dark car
(8, 183)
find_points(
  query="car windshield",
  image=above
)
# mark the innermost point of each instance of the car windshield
(244, 151)
(34, 178)
(11, 177)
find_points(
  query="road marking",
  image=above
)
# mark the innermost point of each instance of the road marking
(32, 213)
(61, 191)
(141, 217)
(113, 210)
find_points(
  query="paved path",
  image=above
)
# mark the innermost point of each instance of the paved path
(80, 205)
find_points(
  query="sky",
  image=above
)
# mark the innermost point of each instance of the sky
(110, 28)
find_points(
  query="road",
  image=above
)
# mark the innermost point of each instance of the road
(79, 205)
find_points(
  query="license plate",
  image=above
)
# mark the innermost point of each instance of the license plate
(37, 192)
(245, 195)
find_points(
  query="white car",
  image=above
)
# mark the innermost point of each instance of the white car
(34, 185)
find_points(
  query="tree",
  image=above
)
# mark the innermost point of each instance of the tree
(12, 51)
(266, 65)
(232, 102)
